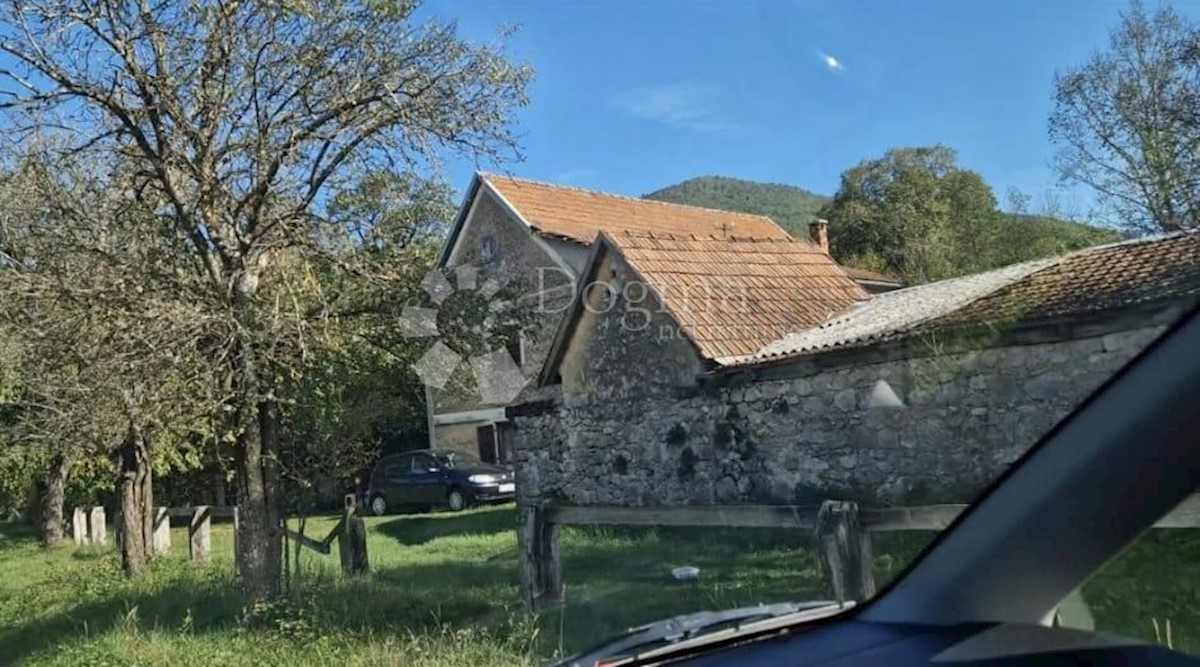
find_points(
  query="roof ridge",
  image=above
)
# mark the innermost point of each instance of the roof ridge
(1149, 238)
(641, 200)
(693, 236)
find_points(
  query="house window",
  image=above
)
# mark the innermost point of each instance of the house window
(488, 249)
(489, 452)
(492, 445)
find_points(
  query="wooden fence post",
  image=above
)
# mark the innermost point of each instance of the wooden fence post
(97, 530)
(540, 565)
(161, 531)
(79, 529)
(844, 551)
(352, 540)
(200, 534)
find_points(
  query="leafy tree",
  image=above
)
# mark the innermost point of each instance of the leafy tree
(1127, 122)
(238, 120)
(916, 214)
(110, 362)
(910, 210)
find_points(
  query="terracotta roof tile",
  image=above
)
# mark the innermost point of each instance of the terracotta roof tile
(1086, 281)
(578, 214)
(734, 295)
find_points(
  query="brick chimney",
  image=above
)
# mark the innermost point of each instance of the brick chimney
(818, 233)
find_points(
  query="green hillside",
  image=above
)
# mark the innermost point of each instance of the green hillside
(792, 207)
(1020, 237)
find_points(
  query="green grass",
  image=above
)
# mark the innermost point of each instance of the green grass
(442, 591)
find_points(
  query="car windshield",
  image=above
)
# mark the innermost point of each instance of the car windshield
(457, 460)
(715, 310)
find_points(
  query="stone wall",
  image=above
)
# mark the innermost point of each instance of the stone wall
(541, 288)
(816, 433)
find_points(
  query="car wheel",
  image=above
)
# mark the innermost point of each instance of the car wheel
(456, 500)
(379, 505)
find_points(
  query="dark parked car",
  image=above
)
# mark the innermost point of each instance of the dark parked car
(430, 477)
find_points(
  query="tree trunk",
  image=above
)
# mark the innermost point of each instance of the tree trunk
(52, 495)
(260, 552)
(136, 498)
(218, 481)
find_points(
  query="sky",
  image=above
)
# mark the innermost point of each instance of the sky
(634, 96)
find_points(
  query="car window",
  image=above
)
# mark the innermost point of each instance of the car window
(399, 467)
(457, 460)
(422, 463)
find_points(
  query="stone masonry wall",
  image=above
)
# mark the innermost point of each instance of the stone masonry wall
(542, 290)
(965, 417)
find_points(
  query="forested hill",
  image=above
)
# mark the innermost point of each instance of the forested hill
(792, 207)
(1014, 237)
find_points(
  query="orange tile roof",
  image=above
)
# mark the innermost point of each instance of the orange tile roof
(578, 215)
(733, 296)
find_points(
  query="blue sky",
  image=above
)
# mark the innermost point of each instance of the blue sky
(634, 96)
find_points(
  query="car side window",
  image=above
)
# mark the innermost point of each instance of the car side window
(398, 468)
(421, 464)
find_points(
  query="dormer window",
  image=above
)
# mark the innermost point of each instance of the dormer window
(488, 249)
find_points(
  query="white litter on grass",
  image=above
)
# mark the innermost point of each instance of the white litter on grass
(686, 573)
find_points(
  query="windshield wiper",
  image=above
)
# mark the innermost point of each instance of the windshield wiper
(705, 626)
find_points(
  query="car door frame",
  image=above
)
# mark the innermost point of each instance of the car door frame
(398, 487)
(428, 480)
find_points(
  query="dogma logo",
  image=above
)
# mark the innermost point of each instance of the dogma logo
(470, 323)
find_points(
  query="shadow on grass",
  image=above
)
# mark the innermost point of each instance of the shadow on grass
(15, 535)
(419, 529)
(615, 578)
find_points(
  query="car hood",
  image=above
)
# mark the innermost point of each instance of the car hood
(483, 469)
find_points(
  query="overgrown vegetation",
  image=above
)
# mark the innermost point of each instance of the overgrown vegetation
(443, 591)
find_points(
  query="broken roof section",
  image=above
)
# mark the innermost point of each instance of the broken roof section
(578, 215)
(1087, 281)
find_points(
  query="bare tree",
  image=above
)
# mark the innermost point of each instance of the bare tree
(1127, 123)
(237, 118)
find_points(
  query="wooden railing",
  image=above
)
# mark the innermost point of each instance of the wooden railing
(840, 532)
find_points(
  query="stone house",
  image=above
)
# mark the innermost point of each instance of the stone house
(535, 239)
(694, 369)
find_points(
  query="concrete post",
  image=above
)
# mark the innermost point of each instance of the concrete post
(97, 529)
(79, 529)
(200, 534)
(162, 531)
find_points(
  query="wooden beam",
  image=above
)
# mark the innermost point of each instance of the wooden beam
(939, 517)
(214, 512)
(742, 516)
(882, 519)
(927, 517)
(304, 540)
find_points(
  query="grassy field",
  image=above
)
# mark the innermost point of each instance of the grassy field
(442, 591)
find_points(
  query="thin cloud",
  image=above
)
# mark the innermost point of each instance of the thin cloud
(575, 175)
(831, 63)
(683, 105)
